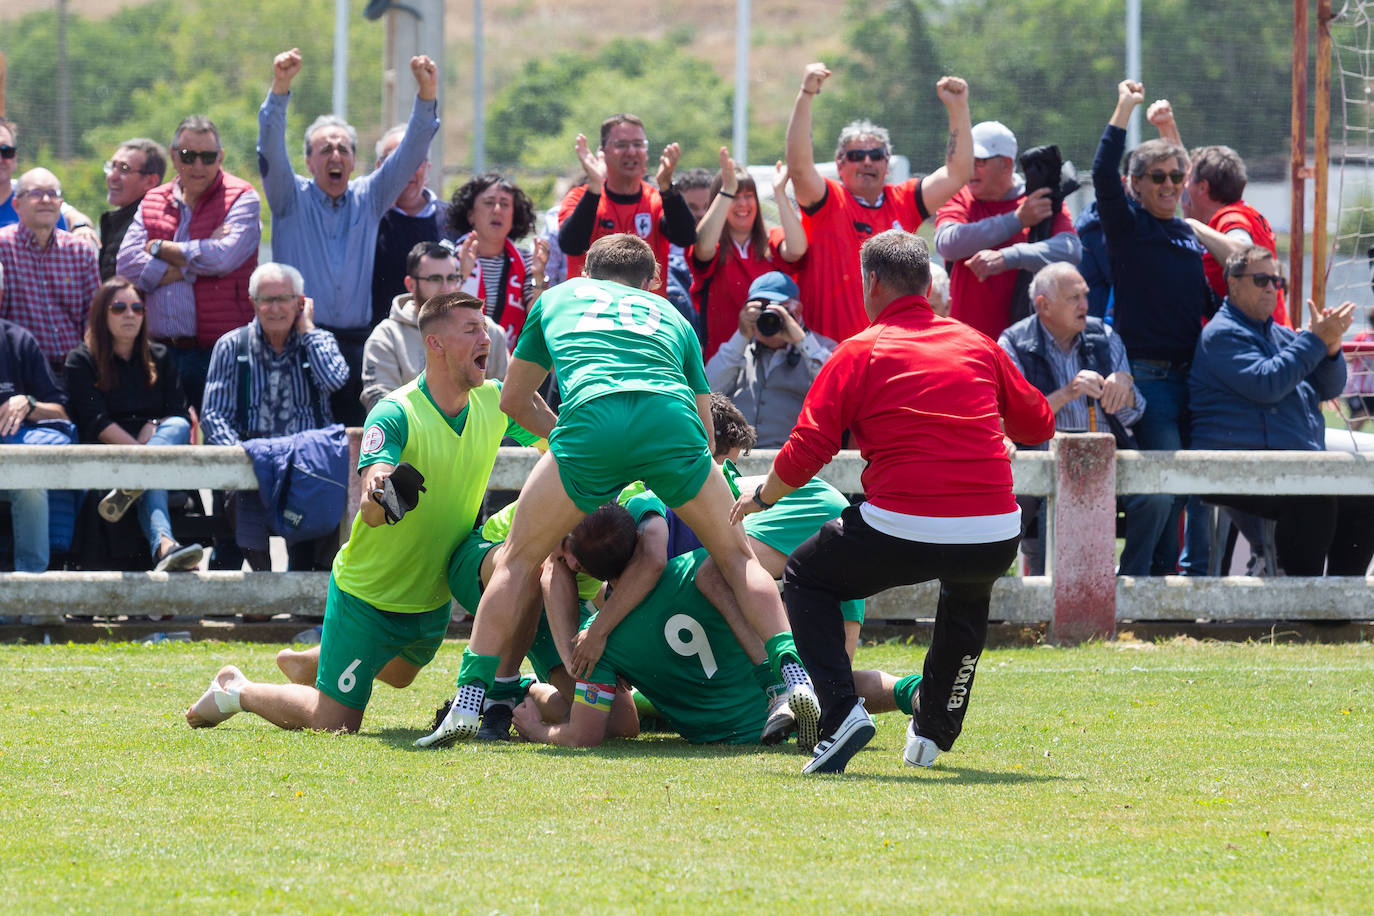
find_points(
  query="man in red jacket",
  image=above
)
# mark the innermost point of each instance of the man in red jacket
(928, 402)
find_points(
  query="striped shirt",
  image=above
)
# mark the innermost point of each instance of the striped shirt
(48, 290)
(493, 290)
(172, 308)
(1073, 416)
(279, 401)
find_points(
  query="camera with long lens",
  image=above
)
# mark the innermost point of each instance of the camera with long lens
(769, 323)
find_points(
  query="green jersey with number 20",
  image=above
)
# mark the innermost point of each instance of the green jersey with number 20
(602, 337)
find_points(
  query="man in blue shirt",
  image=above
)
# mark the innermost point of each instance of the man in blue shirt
(326, 225)
(1256, 384)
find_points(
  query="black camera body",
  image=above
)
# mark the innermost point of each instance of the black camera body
(769, 323)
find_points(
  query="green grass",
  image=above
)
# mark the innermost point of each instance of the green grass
(1181, 777)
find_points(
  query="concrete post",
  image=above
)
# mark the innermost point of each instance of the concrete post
(1083, 546)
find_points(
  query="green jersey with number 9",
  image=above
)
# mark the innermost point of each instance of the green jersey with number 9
(602, 337)
(680, 653)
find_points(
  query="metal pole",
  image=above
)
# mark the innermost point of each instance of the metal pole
(1298, 162)
(2, 84)
(740, 141)
(1133, 67)
(64, 89)
(479, 102)
(1321, 152)
(341, 58)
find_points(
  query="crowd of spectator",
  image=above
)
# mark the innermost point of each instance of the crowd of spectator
(1157, 315)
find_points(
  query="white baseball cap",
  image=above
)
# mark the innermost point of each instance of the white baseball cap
(993, 138)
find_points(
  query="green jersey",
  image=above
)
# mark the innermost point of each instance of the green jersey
(404, 567)
(680, 653)
(602, 337)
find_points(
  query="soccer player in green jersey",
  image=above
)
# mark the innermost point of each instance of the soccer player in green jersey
(636, 406)
(387, 609)
(678, 650)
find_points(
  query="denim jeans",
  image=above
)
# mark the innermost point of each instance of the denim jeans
(1164, 426)
(29, 515)
(153, 517)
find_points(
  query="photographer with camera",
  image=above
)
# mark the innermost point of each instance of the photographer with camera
(767, 366)
(986, 231)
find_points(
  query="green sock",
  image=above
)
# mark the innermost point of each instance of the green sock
(781, 648)
(763, 676)
(478, 668)
(511, 688)
(904, 690)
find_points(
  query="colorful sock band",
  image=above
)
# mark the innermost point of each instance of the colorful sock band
(478, 668)
(904, 690)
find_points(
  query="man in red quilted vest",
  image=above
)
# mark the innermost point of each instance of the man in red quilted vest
(191, 248)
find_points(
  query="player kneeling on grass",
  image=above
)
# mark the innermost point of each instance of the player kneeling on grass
(630, 371)
(387, 609)
(678, 650)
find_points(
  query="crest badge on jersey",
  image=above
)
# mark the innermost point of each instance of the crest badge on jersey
(644, 224)
(373, 439)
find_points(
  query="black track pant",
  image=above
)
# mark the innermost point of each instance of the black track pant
(848, 559)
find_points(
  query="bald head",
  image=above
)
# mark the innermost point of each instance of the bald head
(38, 201)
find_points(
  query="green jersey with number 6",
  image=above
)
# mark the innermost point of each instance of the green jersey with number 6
(602, 337)
(680, 653)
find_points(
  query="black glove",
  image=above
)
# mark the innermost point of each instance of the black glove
(400, 492)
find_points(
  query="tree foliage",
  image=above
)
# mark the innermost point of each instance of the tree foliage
(534, 120)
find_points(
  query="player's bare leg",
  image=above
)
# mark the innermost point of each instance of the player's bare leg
(220, 700)
(543, 516)
(303, 667)
(707, 514)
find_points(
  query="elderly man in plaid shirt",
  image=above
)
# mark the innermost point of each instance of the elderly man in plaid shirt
(50, 275)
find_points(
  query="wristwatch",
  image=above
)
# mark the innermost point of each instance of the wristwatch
(758, 498)
(155, 249)
(33, 404)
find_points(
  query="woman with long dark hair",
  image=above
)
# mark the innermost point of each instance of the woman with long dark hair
(486, 215)
(734, 247)
(124, 390)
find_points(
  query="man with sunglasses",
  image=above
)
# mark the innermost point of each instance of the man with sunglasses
(191, 248)
(136, 167)
(1160, 289)
(49, 274)
(839, 216)
(1256, 384)
(985, 230)
(326, 225)
(395, 350)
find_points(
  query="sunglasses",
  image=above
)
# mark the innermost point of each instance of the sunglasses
(877, 154)
(274, 300)
(8, 151)
(1175, 177)
(1263, 280)
(117, 308)
(188, 156)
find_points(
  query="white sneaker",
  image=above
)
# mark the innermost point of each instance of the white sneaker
(780, 723)
(833, 753)
(462, 720)
(806, 710)
(919, 752)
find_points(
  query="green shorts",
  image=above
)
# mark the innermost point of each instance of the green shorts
(607, 442)
(465, 570)
(359, 640)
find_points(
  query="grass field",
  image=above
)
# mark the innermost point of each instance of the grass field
(1126, 777)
